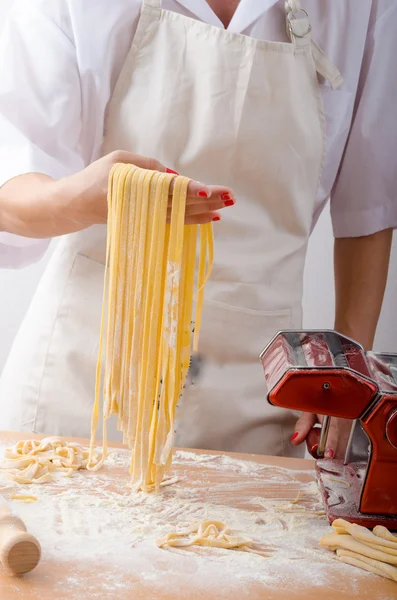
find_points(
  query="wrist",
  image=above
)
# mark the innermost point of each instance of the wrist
(62, 203)
(358, 332)
(46, 215)
(67, 215)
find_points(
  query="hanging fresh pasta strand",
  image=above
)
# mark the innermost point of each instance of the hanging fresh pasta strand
(158, 398)
(127, 320)
(185, 306)
(149, 379)
(180, 334)
(115, 207)
(147, 384)
(98, 377)
(170, 330)
(114, 283)
(123, 221)
(139, 248)
(179, 198)
(134, 431)
(210, 250)
(200, 286)
(188, 293)
(110, 275)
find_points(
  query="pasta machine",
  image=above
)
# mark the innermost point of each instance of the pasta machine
(328, 374)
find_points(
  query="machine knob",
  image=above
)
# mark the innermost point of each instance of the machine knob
(391, 429)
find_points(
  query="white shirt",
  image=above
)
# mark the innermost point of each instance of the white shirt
(60, 59)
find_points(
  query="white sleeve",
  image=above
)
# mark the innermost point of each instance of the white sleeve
(364, 198)
(17, 252)
(40, 109)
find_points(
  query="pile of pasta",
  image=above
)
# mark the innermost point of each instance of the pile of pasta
(374, 551)
(210, 533)
(151, 297)
(35, 461)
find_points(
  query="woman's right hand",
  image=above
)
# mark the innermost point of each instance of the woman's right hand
(84, 195)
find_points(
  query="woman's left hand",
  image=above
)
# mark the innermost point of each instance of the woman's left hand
(338, 434)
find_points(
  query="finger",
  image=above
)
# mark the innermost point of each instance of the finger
(332, 439)
(144, 162)
(312, 439)
(198, 193)
(303, 425)
(200, 209)
(216, 202)
(208, 207)
(202, 219)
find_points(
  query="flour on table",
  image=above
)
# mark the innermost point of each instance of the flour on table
(95, 519)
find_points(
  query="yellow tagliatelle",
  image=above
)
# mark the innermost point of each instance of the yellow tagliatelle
(148, 309)
(37, 461)
(214, 534)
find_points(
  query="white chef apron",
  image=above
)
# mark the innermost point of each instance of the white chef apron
(222, 108)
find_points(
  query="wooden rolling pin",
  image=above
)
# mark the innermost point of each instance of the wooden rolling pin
(20, 551)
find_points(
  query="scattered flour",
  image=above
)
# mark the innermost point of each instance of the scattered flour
(99, 537)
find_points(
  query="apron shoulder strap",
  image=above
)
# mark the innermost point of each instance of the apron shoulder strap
(299, 32)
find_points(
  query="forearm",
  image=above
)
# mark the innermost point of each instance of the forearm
(361, 267)
(32, 206)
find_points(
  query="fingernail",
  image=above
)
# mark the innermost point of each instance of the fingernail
(229, 202)
(294, 436)
(171, 171)
(329, 454)
(226, 196)
(216, 219)
(313, 449)
(203, 194)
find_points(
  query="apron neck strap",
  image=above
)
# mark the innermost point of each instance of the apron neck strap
(299, 30)
(292, 5)
(297, 23)
(151, 4)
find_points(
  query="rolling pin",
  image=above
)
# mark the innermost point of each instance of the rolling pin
(20, 551)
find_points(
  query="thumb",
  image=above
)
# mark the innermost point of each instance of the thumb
(303, 425)
(338, 437)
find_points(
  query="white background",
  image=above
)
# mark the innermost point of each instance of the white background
(17, 287)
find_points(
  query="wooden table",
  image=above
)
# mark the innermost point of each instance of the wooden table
(98, 538)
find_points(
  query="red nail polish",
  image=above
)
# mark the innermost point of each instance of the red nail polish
(229, 202)
(203, 194)
(294, 436)
(216, 219)
(313, 450)
(171, 171)
(226, 196)
(330, 454)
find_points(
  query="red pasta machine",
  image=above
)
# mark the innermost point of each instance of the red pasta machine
(326, 373)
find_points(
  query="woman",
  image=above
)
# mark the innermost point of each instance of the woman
(195, 85)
